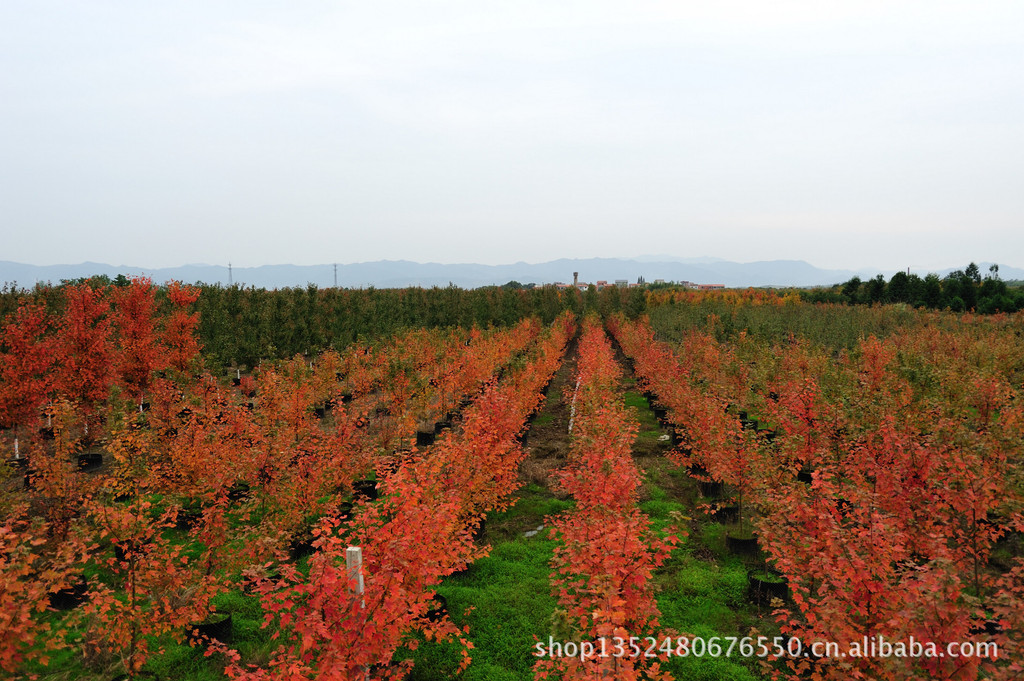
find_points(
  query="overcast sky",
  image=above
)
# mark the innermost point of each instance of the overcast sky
(848, 134)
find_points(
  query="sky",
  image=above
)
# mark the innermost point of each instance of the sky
(847, 134)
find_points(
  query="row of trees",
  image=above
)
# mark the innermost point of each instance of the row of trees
(201, 483)
(880, 488)
(332, 623)
(86, 343)
(241, 326)
(959, 291)
(607, 551)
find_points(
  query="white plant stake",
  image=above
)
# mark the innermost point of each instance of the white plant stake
(354, 563)
(572, 407)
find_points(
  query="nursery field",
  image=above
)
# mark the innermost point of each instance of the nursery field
(725, 485)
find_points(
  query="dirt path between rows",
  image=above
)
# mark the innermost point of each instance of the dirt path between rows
(548, 436)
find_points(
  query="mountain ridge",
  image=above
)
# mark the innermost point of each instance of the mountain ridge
(405, 273)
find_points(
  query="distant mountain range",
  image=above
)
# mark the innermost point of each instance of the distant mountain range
(403, 273)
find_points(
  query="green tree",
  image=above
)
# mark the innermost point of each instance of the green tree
(931, 291)
(851, 289)
(899, 288)
(874, 289)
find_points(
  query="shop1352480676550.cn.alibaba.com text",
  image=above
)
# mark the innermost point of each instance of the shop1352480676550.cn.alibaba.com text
(761, 646)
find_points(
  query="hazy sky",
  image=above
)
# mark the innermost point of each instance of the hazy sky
(848, 134)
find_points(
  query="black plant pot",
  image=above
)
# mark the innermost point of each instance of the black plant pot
(741, 546)
(805, 476)
(319, 412)
(990, 626)
(345, 510)
(46, 433)
(761, 590)
(742, 414)
(365, 488)
(239, 490)
(187, 519)
(440, 609)
(726, 514)
(661, 413)
(70, 597)
(710, 489)
(346, 398)
(424, 436)
(21, 463)
(236, 381)
(441, 426)
(301, 545)
(90, 461)
(218, 626)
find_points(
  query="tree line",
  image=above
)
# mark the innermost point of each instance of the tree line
(240, 326)
(960, 291)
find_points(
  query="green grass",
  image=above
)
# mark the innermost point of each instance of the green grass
(701, 591)
(181, 661)
(650, 429)
(544, 418)
(509, 592)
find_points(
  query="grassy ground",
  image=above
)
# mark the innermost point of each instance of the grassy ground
(505, 599)
(509, 593)
(702, 589)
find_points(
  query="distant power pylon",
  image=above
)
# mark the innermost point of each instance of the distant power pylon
(229, 274)
(335, 275)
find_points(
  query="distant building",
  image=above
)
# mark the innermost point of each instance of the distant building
(622, 283)
(709, 287)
